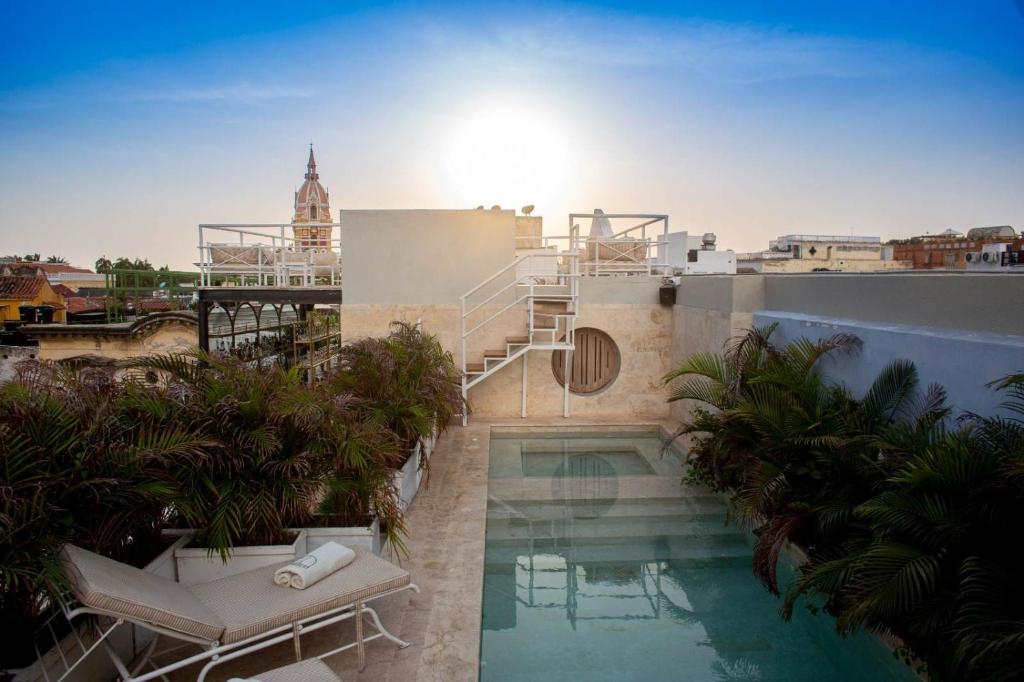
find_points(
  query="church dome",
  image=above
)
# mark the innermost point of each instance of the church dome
(312, 203)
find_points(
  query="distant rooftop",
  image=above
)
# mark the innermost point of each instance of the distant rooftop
(833, 238)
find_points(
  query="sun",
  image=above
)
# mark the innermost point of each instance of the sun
(508, 155)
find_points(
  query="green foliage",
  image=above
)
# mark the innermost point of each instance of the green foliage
(405, 381)
(907, 523)
(79, 462)
(240, 454)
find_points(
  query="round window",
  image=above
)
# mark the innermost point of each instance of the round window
(594, 364)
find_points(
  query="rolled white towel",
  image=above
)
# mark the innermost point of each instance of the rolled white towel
(243, 679)
(283, 576)
(318, 564)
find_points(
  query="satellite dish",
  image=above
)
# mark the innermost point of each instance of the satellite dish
(527, 210)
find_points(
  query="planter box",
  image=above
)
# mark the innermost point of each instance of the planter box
(407, 479)
(430, 443)
(367, 537)
(98, 665)
(197, 565)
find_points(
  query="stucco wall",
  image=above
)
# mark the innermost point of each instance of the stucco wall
(961, 329)
(412, 257)
(642, 331)
(171, 337)
(952, 300)
(962, 362)
(709, 311)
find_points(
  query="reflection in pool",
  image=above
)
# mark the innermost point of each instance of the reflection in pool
(583, 583)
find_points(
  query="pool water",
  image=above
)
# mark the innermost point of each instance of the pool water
(599, 565)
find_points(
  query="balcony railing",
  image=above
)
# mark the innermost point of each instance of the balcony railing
(637, 249)
(268, 255)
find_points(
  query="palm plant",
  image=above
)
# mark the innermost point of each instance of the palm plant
(270, 443)
(76, 465)
(932, 562)
(905, 521)
(405, 381)
(360, 483)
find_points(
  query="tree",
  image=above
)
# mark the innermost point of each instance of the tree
(123, 263)
(31, 257)
(103, 265)
(57, 259)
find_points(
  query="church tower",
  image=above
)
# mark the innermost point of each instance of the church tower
(311, 223)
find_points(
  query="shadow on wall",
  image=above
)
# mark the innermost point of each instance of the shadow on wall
(963, 362)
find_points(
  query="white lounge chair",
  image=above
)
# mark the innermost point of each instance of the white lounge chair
(310, 670)
(227, 618)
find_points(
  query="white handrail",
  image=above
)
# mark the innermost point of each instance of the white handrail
(517, 260)
(507, 307)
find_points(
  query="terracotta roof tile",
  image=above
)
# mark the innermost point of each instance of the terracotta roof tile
(13, 287)
(64, 290)
(86, 304)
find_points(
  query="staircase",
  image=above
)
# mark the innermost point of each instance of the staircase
(543, 292)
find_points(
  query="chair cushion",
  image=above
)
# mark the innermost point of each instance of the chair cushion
(250, 604)
(312, 670)
(123, 590)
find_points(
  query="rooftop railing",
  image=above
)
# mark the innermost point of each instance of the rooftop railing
(268, 255)
(637, 249)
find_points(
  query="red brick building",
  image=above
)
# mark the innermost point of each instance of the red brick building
(950, 250)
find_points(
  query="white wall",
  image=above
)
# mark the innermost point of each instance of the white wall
(421, 256)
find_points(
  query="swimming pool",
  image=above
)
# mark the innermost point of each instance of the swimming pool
(599, 565)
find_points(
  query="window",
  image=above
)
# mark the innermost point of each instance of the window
(595, 362)
(312, 212)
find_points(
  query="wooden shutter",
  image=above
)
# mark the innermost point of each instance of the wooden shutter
(594, 364)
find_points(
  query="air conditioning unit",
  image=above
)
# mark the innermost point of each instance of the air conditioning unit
(989, 256)
(973, 256)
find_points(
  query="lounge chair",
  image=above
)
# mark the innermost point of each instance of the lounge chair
(230, 617)
(310, 670)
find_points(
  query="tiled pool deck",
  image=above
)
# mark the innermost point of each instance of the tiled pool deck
(446, 524)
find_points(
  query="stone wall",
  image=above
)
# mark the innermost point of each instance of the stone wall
(642, 331)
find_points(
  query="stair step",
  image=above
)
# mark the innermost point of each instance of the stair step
(474, 368)
(517, 340)
(495, 354)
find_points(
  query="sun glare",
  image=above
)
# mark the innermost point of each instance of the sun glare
(508, 156)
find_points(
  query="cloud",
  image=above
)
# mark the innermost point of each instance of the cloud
(740, 53)
(240, 93)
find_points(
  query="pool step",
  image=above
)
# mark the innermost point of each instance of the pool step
(540, 510)
(666, 548)
(630, 526)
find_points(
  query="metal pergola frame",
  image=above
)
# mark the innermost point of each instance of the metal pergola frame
(304, 298)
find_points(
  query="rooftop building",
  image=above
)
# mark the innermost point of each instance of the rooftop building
(984, 248)
(819, 252)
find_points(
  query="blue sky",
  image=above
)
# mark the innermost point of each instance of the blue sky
(122, 126)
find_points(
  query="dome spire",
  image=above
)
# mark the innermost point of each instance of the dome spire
(311, 173)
